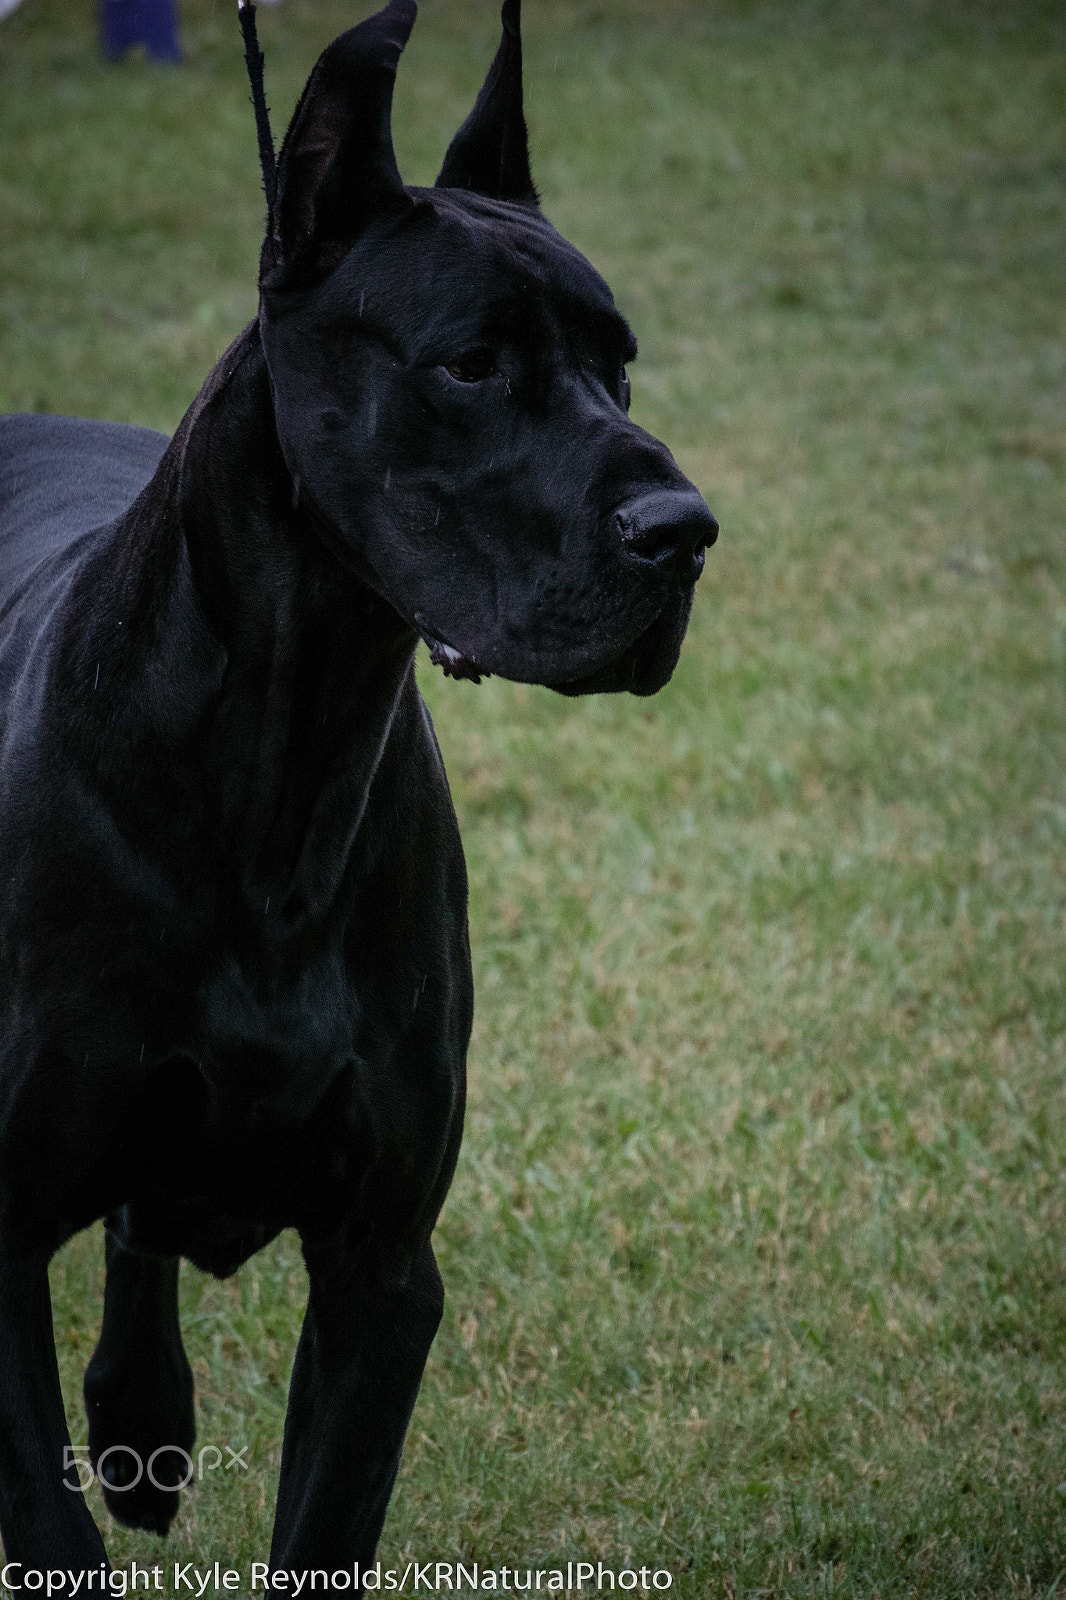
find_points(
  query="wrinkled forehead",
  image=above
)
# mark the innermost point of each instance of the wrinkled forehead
(458, 266)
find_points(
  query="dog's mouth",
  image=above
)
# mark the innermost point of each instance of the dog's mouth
(647, 664)
(451, 661)
(641, 668)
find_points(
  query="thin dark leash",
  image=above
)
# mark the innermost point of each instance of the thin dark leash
(253, 57)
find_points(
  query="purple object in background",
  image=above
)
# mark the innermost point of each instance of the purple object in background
(151, 23)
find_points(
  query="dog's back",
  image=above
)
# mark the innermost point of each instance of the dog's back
(61, 476)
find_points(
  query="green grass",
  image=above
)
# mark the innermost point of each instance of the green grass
(755, 1255)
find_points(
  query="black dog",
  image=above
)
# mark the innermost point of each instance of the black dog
(233, 941)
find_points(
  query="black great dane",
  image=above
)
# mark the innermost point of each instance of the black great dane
(233, 935)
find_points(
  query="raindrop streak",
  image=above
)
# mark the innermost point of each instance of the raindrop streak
(388, 476)
(96, 680)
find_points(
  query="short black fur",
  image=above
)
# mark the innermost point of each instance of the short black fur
(233, 943)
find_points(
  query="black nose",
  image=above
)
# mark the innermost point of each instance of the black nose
(667, 529)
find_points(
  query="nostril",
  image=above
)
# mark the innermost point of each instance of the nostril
(638, 539)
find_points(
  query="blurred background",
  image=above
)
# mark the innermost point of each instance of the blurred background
(755, 1255)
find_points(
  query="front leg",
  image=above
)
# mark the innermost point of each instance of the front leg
(139, 1389)
(365, 1339)
(44, 1520)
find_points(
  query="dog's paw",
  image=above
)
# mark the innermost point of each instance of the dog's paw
(138, 1502)
(141, 1435)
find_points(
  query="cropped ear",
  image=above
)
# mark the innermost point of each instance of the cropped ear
(337, 165)
(490, 153)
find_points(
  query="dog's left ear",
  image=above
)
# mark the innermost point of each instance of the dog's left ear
(337, 165)
(490, 153)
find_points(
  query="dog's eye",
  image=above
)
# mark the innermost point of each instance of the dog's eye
(625, 388)
(473, 367)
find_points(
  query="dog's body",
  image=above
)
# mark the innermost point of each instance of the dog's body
(233, 948)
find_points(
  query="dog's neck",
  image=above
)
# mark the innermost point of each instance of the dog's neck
(301, 665)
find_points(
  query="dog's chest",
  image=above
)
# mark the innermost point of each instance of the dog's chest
(272, 1043)
(255, 1122)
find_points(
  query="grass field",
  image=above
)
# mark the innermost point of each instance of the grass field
(755, 1257)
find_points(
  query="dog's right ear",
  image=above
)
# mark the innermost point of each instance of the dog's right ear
(337, 165)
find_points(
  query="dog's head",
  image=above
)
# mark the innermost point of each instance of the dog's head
(450, 389)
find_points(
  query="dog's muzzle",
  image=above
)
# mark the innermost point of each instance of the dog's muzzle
(667, 530)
